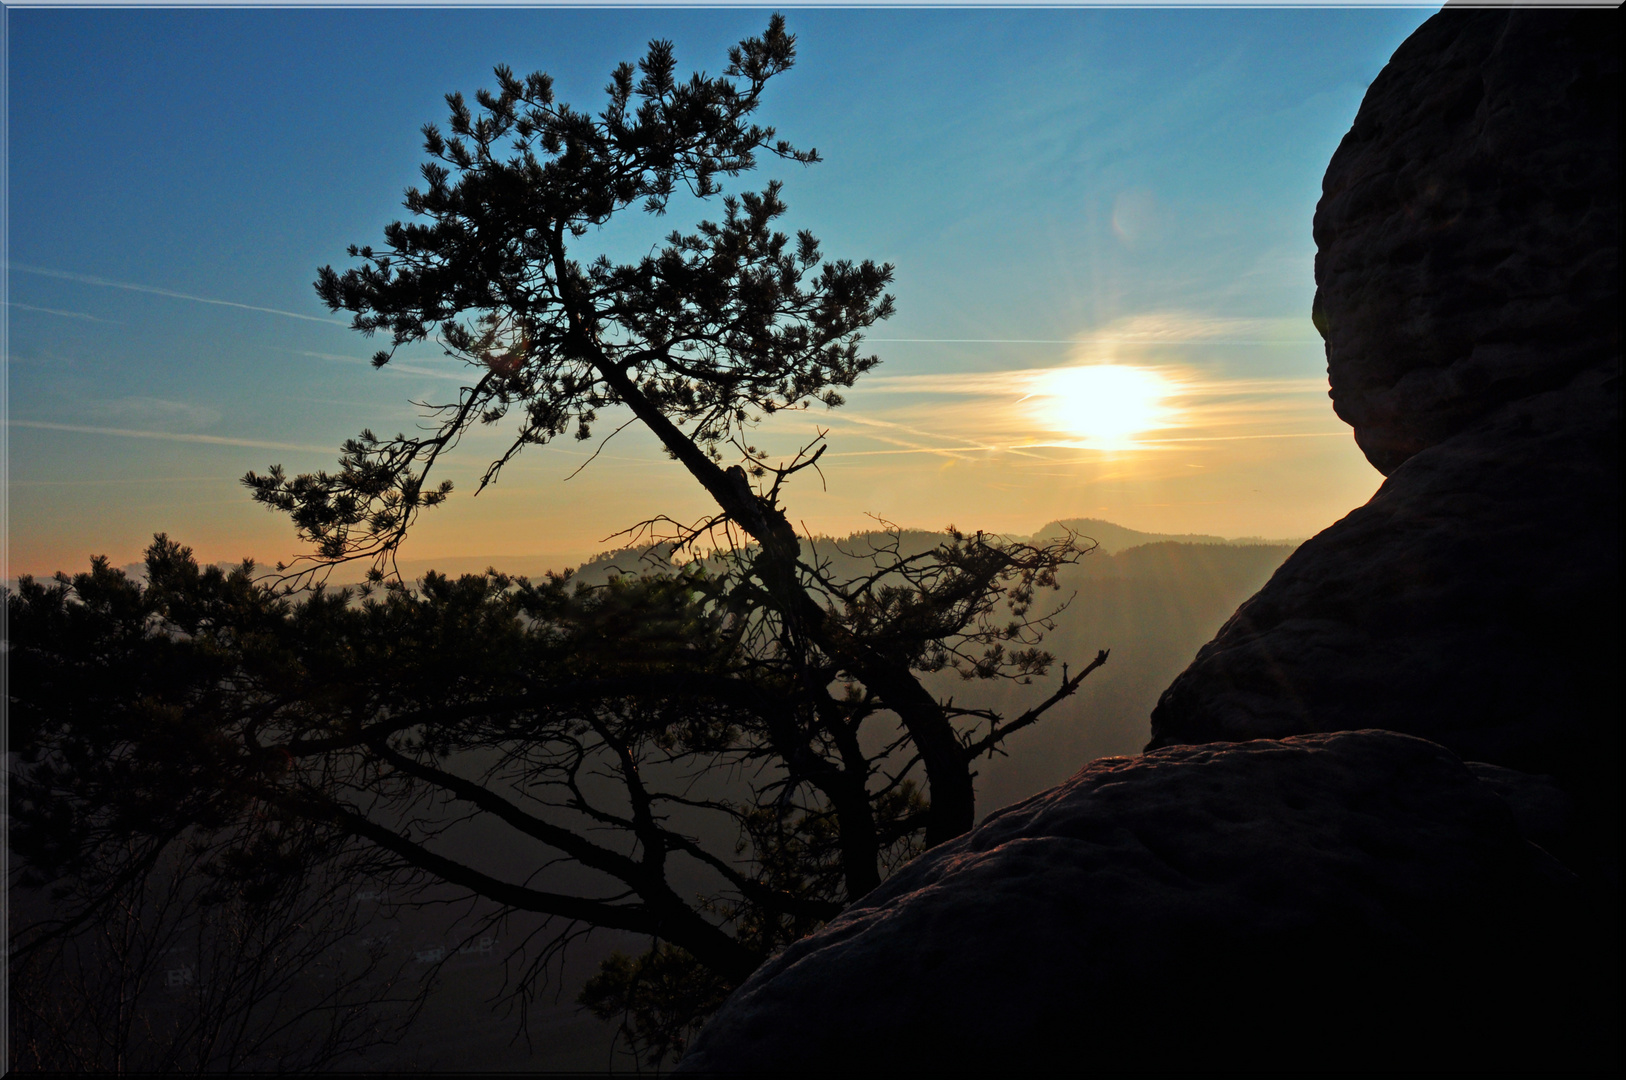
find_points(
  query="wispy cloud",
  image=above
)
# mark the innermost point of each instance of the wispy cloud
(907, 439)
(155, 412)
(395, 366)
(1024, 413)
(1186, 328)
(88, 279)
(1172, 328)
(126, 481)
(171, 436)
(975, 384)
(1018, 382)
(1251, 436)
(1313, 385)
(58, 311)
(972, 341)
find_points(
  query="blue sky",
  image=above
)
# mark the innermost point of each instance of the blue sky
(1060, 186)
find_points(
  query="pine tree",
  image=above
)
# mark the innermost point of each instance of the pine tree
(606, 719)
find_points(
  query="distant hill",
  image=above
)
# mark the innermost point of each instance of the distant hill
(1114, 538)
(1153, 606)
(590, 566)
(1111, 538)
(1153, 600)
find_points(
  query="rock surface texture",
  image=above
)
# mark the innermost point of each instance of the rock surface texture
(1331, 901)
(1467, 234)
(1468, 275)
(1276, 883)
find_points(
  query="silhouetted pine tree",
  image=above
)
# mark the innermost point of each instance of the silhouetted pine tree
(603, 723)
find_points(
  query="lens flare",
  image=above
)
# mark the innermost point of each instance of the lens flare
(1104, 403)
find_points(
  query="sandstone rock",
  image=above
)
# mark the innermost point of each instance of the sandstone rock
(1355, 900)
(1468, 231)
(1474, 601)
(1469, 282)
(1544, 812)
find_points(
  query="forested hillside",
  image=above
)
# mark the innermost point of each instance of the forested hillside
(1151, 599)
(1153, 606)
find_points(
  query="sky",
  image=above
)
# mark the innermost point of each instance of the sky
(1099, 220)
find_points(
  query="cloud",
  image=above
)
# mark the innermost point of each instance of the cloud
(971, 341)
(87, 279)
(1168, 328)
(155, 412)
(1186, 328)
(976, 383)
(1253, 435)
(1316, 385)
(1015, 412)
(58, 311)
(1010, 385)
(1014, 408)
(905, 439)
(393, 365)
(171, 436)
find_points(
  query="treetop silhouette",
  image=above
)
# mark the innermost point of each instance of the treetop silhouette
(716, 329)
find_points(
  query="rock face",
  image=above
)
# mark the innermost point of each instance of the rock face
(1467, 235)
(1331, 901)
(1276, 883)
(1468, 289)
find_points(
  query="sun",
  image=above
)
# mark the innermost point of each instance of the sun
(1104, 403)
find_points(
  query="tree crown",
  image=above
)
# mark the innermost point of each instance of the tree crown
(710, 332)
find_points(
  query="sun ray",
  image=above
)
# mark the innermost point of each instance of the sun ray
(1105, 404)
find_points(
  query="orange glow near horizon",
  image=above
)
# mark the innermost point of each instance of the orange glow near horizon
(1129, 432)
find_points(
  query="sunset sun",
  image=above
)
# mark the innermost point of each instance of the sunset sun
(1106, 403)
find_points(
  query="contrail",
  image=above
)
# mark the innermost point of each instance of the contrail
(87, 279)
(392, 366)
(56, 311)
(128, 433)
